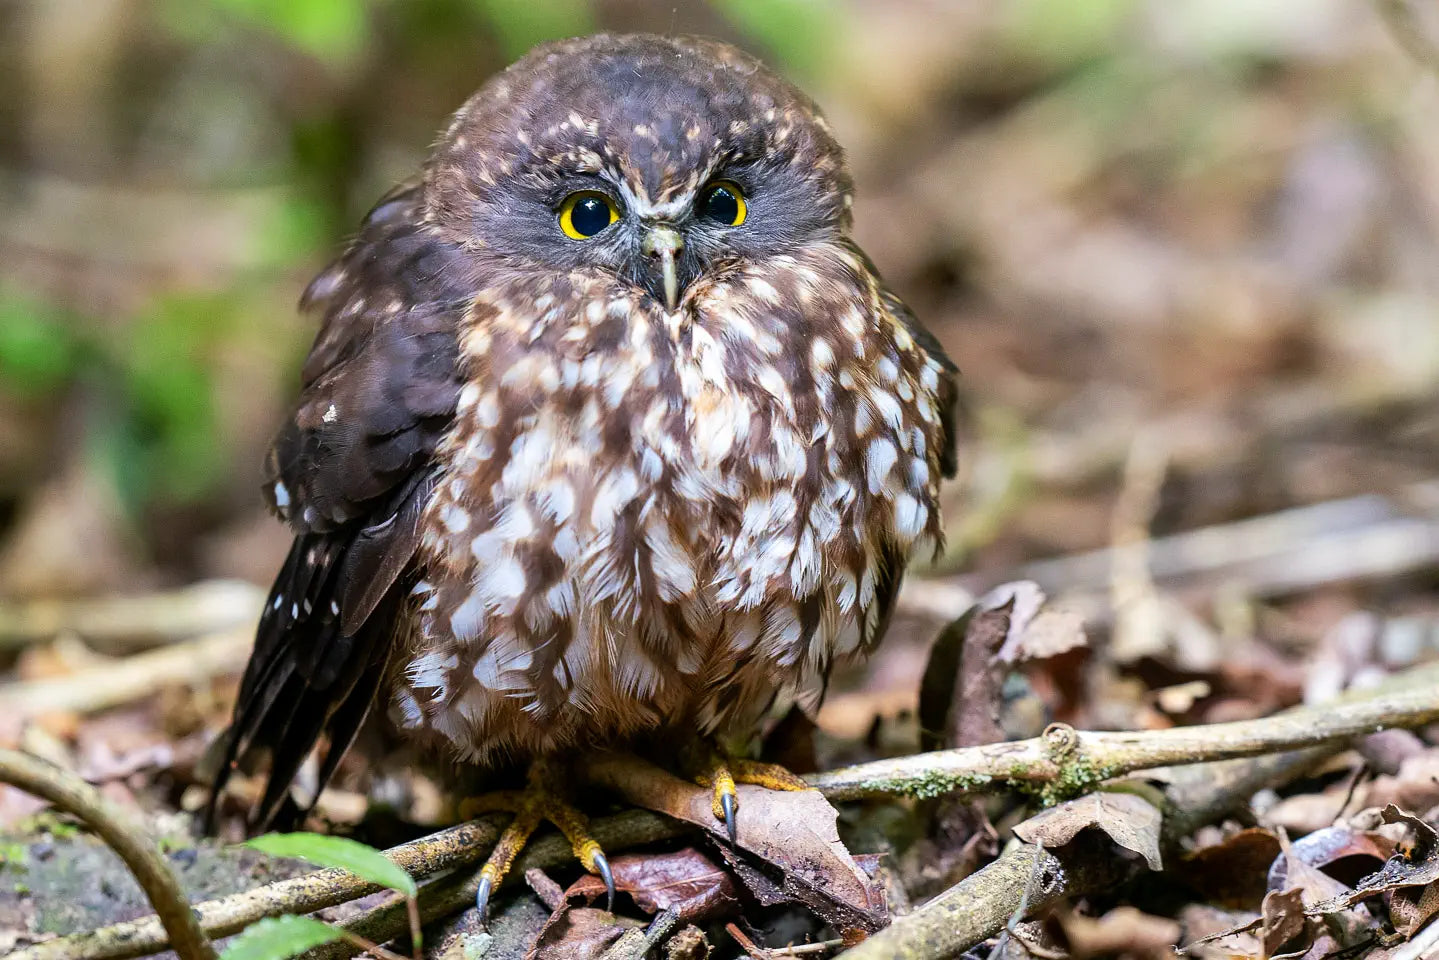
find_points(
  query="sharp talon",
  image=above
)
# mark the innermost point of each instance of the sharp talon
(482, 900)
(731, 825)
(602, 867)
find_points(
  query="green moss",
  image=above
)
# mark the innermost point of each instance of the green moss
(1076, 777)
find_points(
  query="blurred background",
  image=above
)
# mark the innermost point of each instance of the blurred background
(1185, 252)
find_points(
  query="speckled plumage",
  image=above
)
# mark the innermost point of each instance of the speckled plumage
(537, 509)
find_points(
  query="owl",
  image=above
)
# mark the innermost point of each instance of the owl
(610, 428)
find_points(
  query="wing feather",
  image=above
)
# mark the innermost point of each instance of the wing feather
(351, 471)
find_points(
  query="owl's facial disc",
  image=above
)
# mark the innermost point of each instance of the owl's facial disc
(684, 159)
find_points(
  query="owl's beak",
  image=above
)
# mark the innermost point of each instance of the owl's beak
(665, 242)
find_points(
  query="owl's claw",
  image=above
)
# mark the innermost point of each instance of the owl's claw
(482, 900)
(728, 801)
(722, 776)
(538, 801)
(602, 867)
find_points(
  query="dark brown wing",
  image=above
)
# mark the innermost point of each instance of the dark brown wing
(351, 472)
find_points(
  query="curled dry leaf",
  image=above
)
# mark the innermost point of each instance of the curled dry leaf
(1324, 847)
(1129, 820)
(791, 834)
(1408, 878)
(686, 880)
(1283, 921)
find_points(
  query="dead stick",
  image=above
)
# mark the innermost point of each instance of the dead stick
(456, 846)
(128, 679)
(127, 624)
(979, 906)
(457, 891)
(1065, 762)
(961, 770)
(123, 835)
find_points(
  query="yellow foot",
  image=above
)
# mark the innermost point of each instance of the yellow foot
(723, 773)
(538, 801)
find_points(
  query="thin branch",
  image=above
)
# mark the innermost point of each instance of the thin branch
(126, 837)
(1359, 538)
(450, 894)
(445, 850)
(1065, 762)
(128, 679)
(124, 625)
(457, 846)
(979, 906)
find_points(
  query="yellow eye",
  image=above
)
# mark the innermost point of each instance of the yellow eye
(586, 213)
(723, 200)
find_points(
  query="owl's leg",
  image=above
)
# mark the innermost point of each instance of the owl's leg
(722, 773)
(538, 801)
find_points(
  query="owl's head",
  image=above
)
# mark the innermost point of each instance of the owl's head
(657, 159)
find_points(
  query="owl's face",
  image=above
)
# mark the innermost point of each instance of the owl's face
(654, 161)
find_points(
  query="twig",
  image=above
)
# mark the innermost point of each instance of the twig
(457, 846)
(126, 837)
(124, 625)
(370, 947)
(1413, 26)
(128, 679)
(979, 906)
(1353, 539)
(1066, 762)
(222, 917)
(1137, 606)
(457, 891)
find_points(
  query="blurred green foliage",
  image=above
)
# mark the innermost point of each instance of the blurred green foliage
(800, 34)
(520, 24)
(38, 351)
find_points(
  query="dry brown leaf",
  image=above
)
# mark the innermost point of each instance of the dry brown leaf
(1327, 846)
(1411, 908)
(1049, 634)
(1233, 873)
(1406, 877)
(792, 833)
(1122, 930)
(1283, 921)
(686, 880)
(1214, 934)
(1414, 787)
(579, 933)
(1129, 820)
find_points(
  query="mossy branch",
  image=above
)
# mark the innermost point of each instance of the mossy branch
(1028, 879)
(126, 837)
(1065, 762)
(1060, 764)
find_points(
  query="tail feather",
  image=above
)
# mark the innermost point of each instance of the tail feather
(321, 650)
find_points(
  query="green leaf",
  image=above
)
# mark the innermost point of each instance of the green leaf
(276, 938)
(346, 854)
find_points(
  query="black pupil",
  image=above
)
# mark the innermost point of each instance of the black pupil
(721, 205)
(590, 216)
